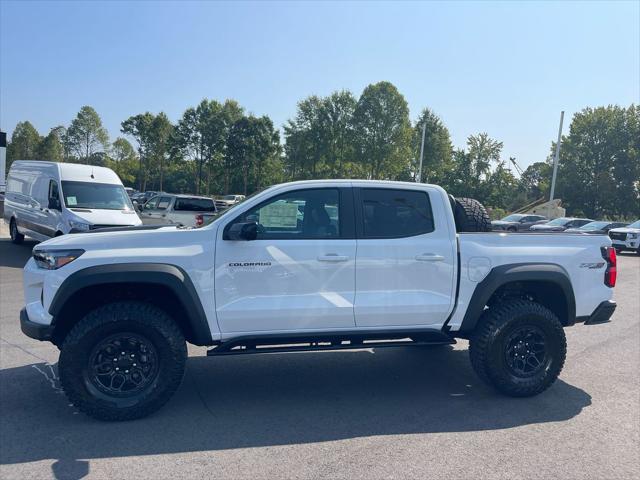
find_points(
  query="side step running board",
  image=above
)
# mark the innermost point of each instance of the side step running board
(306, 343)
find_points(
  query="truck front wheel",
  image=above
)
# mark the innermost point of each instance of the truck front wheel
(519, 347)
(122, 361)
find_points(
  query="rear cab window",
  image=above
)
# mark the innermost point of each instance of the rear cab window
(395, 213)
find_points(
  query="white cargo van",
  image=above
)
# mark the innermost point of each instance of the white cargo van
(47, 199)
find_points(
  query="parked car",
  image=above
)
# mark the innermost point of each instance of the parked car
(228, 201)
(560, 224)
(626, 238)
(597, 228)
(47, 199)
(185, 210)
(130, 191)
(517, 221)
(393, 268)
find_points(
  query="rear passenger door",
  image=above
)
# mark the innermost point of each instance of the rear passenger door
(405, 259)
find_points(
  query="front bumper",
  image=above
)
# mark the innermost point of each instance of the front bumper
(601, 314)
(34, 330)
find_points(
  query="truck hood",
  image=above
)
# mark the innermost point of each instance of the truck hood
(131, 238)
(106, 217)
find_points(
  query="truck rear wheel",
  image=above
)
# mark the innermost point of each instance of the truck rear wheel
(519, 347)
(470, 215)
(122, 361)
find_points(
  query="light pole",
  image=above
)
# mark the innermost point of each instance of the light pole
(556, 158)
(424, 131)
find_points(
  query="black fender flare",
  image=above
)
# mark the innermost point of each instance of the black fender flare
(518, 272)
(169, 276)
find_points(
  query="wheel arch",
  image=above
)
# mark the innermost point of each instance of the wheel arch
(164, 285)
(549, 284)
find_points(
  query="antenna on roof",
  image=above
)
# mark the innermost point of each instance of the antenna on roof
(92, 172)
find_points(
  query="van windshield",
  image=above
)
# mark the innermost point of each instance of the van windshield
(100, 196)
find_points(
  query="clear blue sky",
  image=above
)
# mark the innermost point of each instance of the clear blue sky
(504, 68)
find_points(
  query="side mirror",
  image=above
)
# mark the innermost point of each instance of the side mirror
(54, 204)
(243, 231)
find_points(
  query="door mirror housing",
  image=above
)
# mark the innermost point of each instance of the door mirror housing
(243, 231)
(54, 204)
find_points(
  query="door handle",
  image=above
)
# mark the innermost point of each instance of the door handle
(429, 257)
(332, 257)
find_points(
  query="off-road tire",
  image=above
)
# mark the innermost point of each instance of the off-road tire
(16, 236)
(470, 216)
(488, 347)
(126, 317)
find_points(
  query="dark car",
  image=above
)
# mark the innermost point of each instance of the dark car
(517, 221)
(560, 224)
(597, 228)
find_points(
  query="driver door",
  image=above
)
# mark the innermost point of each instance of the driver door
(299, 273)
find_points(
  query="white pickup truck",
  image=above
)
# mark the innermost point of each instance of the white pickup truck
(316, 265)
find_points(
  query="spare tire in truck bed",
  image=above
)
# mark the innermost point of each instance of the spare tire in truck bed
(470, 215)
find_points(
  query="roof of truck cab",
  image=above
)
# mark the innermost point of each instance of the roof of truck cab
(73, 172)
(358, 181)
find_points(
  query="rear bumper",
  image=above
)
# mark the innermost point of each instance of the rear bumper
(601, 314)
(34, 330)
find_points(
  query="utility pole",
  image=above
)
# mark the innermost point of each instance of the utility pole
(424, 131)
(556, 159)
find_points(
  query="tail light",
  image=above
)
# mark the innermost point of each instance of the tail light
(611, 273)
(199, 220)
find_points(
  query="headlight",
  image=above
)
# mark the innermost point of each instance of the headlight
(632, 235)
(81, 226)
(54, 259)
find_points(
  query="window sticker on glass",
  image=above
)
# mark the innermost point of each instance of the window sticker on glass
(71, 201)
(283, 215)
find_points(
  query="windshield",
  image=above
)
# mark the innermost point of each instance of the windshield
(594, 226)
(195, 204)
(229, 197)
(635, 224)
(101, 196)
(513, 218)
(559, 221)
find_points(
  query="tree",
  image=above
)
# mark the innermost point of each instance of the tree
(382, 131)
(139, 127)
(599, 169)
(24, 144)
(51, 147)
(123, 160)
(536, 181)
(253, 146)
(86, 135)
(483, 151)
(200, 136)
(437, 147)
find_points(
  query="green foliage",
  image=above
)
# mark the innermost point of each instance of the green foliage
(382, 132)
(86, 136)
(437, 147)
(24, 144)
(599, 170)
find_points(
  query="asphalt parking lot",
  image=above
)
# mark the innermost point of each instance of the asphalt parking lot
(392, 413)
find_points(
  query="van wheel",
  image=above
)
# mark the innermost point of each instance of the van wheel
(16, 236)
(519, 347)
(122, 361)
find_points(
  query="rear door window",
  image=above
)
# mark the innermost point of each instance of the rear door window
(390, 213)
(163, 203)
